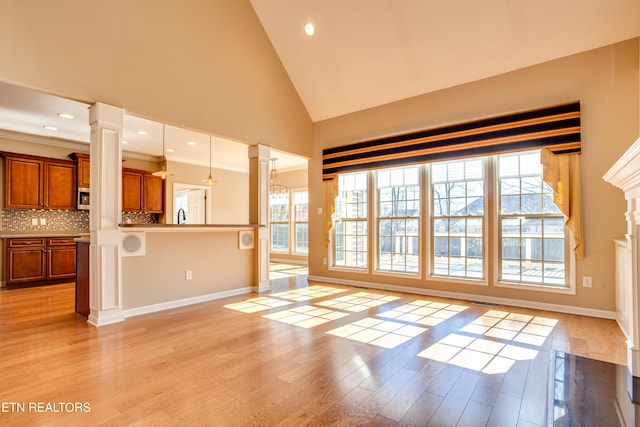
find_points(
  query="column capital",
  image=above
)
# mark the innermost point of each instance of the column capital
(260, 151)
(105, 113)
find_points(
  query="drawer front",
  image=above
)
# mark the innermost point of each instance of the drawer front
(60, 241)
(26, 242)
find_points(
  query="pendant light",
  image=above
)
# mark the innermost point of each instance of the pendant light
(210, 179)
(163, 173)
(276, 189)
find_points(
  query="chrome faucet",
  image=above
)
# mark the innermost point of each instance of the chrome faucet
(184, 216)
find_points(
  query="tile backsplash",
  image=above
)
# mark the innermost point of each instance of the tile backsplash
(52, 220)
(45, 220)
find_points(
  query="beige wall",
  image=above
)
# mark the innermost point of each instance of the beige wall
(229, 194)
(199, 64)
(159, 276)
(607, 84)
(295, 180)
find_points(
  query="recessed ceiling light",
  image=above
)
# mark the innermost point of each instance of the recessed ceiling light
(170, 150)
(309, 29)
(65, 115)
(124, 142)
(191, 143)
(50, 127)
(141, 132)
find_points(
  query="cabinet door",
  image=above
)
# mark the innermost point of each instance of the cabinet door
(60, 186)
(26, 264)
(153, 194)
(23, 183)
(132, 191)
(84, 172)
(61, 262)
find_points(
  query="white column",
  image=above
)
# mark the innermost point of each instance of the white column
(105, 289)
(259, 212)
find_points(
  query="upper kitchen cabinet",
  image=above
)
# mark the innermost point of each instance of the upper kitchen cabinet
(84, 172)
(33, 182)
(142, 191)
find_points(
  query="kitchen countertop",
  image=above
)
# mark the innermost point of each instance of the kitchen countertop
(126, 225)
(34, 233)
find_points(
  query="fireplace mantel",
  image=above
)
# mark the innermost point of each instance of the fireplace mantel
(625, 174)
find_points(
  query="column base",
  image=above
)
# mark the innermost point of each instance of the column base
(105, 317)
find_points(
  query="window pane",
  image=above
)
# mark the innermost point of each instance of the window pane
(350, 221)
(398, 227)
(457, 218)
(532, 232)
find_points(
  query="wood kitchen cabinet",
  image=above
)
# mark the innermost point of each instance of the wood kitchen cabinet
(83, 163)
(40, 259)
(142, 191)
(33, 182)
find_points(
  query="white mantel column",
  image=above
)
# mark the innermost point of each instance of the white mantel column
(625, 174)
(259, 211)
(105, 280)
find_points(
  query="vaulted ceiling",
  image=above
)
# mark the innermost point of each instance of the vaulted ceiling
(366, 53)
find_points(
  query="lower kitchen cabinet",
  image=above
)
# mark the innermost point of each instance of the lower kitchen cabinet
(40, 259)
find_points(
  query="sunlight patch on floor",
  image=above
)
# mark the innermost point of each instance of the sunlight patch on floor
(305, 294)
(382, 333)
(423, 312)
(493, 355)
(360, 301)
(306, 316)
(257, 304)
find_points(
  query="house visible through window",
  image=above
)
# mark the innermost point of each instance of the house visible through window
(457, 190)
(530, 237)
(532, 233)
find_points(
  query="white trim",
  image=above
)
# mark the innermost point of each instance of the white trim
(184, 301)
(605, 314)
(67, 143)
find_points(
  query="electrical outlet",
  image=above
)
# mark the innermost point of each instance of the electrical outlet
(43, 221)
(586, 281)
(34, 221)
(188, 275)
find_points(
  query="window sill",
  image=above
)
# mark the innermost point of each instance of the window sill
(537, 288)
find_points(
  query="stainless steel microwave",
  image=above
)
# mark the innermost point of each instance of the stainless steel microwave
(83, 198)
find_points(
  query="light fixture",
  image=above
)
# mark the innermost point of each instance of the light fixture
(309, 28)
(276, 189)
(144, 132)
(50, 127)
(163, 173)
(65, 115)
(191, 143)
(210, 179)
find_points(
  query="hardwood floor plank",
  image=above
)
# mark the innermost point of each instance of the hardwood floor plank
(454, 404)
(209, 364)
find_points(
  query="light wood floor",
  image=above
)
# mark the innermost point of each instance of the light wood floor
(326, 355)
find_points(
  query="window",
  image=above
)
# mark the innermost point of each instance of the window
(532, 233)
(350, 221)
(529, 244)
(301, 221)
(279, 206)
(457, 216)
(398, 219)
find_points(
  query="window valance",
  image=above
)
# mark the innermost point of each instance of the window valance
(555, 128)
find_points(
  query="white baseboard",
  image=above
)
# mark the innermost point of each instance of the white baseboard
(185, 301)
(472, 297)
